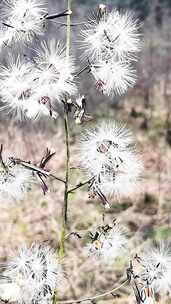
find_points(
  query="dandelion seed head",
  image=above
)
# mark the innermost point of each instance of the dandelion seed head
(24, 90)
(108, 246)
(149, 300)
(37, 109)
(112, 135)
(154, 269)
(25, 18)
(124, 33)
(55, 70)
(92, 37)
(113, 77)
(14, 75)
(36, 272)
(115, 35)
(108, 154)
(111, 42)
(15, 84)
(157, 271)
(9, 292)
(51, 52)
(112, 180)
(5, 36)
(15, 181)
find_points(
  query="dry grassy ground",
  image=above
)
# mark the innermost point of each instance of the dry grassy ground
(38, 217)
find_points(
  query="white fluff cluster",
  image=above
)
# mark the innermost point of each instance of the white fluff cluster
(115, 34)
(109, 155)
(15, 180)
(113, 77)
(111, 42)
(55, 71)
(32, 276)
(156, 270)
(22, 20)
(149, 300)
(30, 90)
(107, 246)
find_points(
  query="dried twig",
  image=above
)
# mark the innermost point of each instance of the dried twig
(102, 295)
(81, 184)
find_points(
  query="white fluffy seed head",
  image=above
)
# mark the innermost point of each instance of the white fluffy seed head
(9, 292)
(15, 181)
(110, 43)
(157, 267)
(113, 77)
(108, 246)
(54, 71)
(35, 272)
(25, 18)
(123, 182)
(5, 35)
(108, 154)
(27, 92)
(149, 300)
(16, 84)
(51, 52)
(116, 34)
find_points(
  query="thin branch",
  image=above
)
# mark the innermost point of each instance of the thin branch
(106, 34)
(9, 25)
(46, 158)
(36, 169)
(75, 234)
(80, 185)
(67, 12)
(82, 70)
(102, 295)
(57, 178)
(72, 24)
(30, 166)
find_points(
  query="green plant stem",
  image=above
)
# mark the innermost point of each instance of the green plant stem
(66, 127)
(67, 168)
(68, 42)
(66, 124)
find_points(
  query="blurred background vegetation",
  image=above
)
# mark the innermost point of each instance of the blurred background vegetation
(146, 110)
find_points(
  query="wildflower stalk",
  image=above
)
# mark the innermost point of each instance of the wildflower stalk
(68, 43)
(66, 128)
(65, 209)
